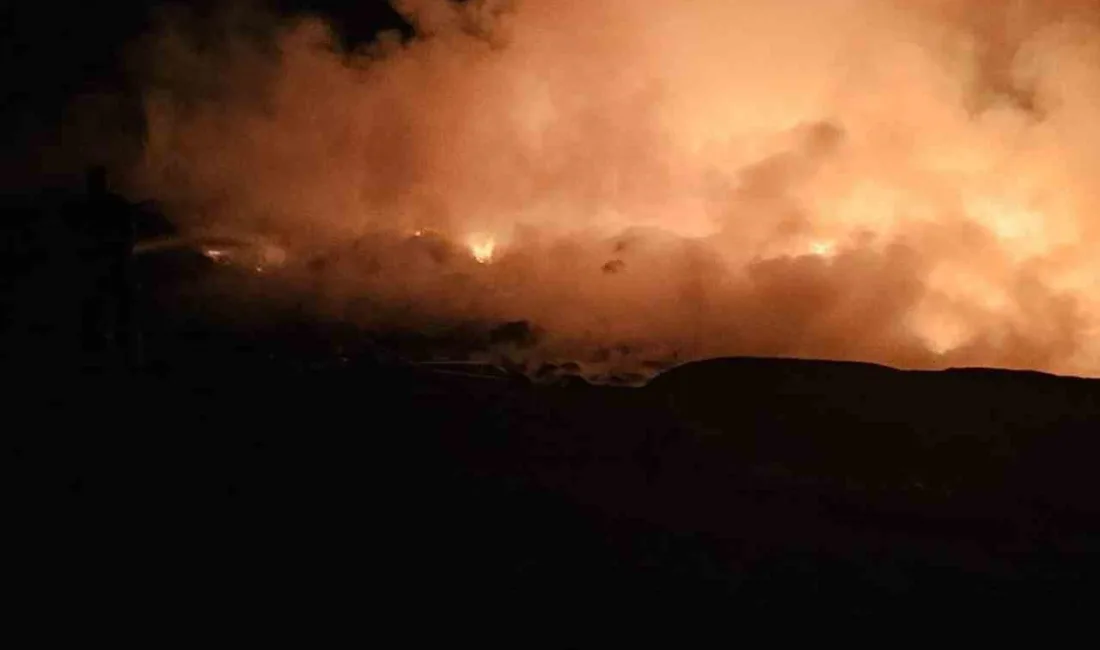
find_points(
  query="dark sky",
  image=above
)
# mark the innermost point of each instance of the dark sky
(54, 50)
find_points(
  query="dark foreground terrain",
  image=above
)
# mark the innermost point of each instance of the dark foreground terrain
(252, 475)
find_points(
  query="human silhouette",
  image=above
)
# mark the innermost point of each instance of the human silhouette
(109, 328)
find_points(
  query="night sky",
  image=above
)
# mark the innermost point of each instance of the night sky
(54, 52)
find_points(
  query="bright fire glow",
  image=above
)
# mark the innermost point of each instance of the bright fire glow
(823, 248)
(482, 248)
(215, 254)
(910, 183)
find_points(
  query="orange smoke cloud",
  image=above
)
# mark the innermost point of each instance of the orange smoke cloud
(910, 183)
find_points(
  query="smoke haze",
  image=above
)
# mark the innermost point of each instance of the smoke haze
(910, 183)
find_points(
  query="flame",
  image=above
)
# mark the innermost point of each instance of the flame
(823, 248)
(215, 254)
(482, 247)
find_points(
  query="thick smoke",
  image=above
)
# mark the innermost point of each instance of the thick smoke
(912, 183)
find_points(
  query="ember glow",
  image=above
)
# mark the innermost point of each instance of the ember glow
(912, 183)
(216, 254)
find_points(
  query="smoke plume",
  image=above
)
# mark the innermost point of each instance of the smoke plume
(911, 183)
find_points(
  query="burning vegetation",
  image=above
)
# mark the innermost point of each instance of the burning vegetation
(911, 183)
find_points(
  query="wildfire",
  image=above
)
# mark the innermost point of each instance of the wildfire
(850, 178)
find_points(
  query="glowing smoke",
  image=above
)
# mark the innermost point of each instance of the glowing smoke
(912, 183)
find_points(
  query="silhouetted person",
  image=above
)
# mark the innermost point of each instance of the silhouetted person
(108, 315)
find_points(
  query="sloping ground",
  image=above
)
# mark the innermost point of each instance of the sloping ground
(971, 430)
(452, 496)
